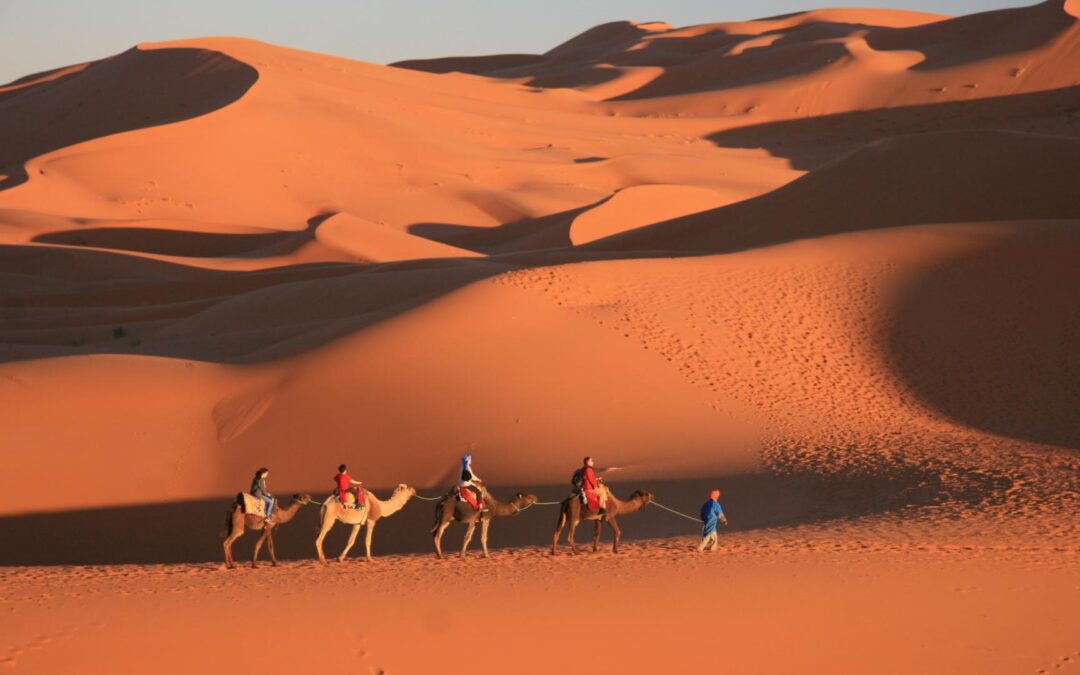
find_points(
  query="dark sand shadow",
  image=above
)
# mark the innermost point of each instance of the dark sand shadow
(992, 338)
(812, 141)
(132, 90)
(188, 532)
(184, 243)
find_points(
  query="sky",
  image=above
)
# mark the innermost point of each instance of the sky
(41, 34)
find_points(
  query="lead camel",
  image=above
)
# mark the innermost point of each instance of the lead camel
(572, 511)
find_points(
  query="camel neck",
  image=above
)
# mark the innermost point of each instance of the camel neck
(286, 514)
(395, 503)
(630, 506)
(503, 508)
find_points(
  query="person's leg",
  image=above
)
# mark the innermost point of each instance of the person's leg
(269, 506)
(704, 541)
(713, 540)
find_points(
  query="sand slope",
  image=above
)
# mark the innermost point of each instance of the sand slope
(825, 260)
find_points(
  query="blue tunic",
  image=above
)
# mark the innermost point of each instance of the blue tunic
(711, 512)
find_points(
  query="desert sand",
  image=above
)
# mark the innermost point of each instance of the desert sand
(826, 261)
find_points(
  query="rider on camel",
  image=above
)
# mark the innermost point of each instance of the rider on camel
(258, 490)
(469, 485)
(344, 481)
(590, 484)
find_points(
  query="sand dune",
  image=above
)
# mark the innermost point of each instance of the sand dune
(642, 205)
(928, 178)
(826, 260)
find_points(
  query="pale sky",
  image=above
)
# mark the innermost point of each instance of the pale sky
(41, 34)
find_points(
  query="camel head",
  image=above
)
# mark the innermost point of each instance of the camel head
(403, 488)
(521, 500)
(644, 495)
(302, 498)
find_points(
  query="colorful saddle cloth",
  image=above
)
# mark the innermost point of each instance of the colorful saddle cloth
(469, 497)
(253, 506)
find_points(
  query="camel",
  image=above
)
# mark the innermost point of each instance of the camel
(333, 511)
(573, 510)
(450, 508)
(237, 522)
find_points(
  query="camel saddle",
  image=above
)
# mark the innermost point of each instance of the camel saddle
(466, 495)
(591, 499)
(253, 506)
(350, 501)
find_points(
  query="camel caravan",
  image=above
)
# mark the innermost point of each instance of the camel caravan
(469, 502)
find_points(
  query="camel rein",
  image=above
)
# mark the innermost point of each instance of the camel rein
(678, 513)
(519, 508)
(522, 508)
(429, 499)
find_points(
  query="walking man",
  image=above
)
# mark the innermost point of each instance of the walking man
(711, 513)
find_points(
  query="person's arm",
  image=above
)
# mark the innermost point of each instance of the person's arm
(356, 482)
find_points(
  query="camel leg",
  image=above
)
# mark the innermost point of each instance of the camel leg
(327, 525)
(484, 525)
(596, 537)
(367, 537)
(270, 546)
(352, 540)
(618, 534)
(570, 535)
(438, 537)
(558, 532)
(237, 527)
(258, 545)
(229, 561)
(468, 537)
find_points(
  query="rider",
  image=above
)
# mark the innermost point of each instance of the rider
(258, 490)
(590, 485)
(469, 480)
(344, 481)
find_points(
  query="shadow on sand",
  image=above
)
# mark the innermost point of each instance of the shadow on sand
(132, 90)
(187, 532)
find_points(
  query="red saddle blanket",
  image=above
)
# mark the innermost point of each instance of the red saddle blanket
(353, 501)
(469, 497)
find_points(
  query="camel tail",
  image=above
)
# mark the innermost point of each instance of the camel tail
(438, 517)
(562, 519)
(227, 529)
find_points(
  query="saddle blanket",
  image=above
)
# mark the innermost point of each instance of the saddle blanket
(253, 506)
(350, 501)
(469, 497)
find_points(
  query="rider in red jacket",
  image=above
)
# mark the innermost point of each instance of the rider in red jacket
(589, 486)
(344, 481)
